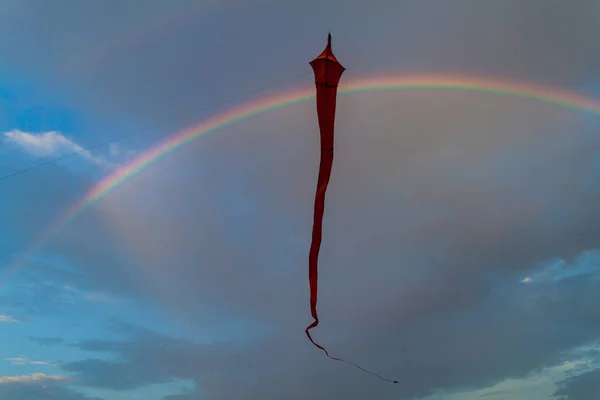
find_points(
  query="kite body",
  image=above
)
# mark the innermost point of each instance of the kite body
(328, 72)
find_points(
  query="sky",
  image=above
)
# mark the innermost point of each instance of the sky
(460, 255)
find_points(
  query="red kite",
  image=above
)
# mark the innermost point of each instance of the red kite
(328, 72)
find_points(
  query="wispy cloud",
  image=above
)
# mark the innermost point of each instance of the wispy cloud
(37, 377)
(94, 297)
(587, 263)
(115, 150)
(47, 341)
(7, 319)
(49, 144)
(536, 384)
(101, 297)
(22, 360)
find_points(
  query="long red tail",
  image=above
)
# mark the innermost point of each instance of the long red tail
(313, 259)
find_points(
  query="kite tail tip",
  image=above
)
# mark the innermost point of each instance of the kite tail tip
(395, 381)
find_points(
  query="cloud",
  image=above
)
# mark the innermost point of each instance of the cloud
(40, 390)
(26, 361)
(43, 290)
(435, 201)
(581, 387)
(587, 263)
(37, 377)
(101, 297)
(114, 149)
(495, 393)
(7, 319)
(94, 296)
(49, 144)
(114, 375)
(540, 383)
(47, 341)
(421, 228)
(185, 396)
(544, 331)
(37, 296)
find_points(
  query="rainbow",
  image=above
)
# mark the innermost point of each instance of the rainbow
(541, 94)
(548, 95)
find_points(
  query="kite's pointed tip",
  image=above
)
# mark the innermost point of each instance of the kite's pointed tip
(329, 39)
(395, 381)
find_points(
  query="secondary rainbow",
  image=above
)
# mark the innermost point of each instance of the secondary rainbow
(543, 94)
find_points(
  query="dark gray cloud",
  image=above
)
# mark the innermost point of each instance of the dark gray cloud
(522, 328)
(181, 397)
(115, 375)
(48, 341)
(508, 179)
(145, 69)
(21, 391)
(495, 393)
(580, 387)
(423, 223)
(436, 200)
(192, 395)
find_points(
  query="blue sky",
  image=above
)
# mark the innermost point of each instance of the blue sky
(460, 256)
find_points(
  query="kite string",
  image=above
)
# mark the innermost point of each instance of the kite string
(314, 324)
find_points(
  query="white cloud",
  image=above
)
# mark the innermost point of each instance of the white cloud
(70, 289)
(587, 263)
(101, 297)
(18, 360)
(36, 377)
(7, 319)
(94, 297)
(49, 144)
(26, 361)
